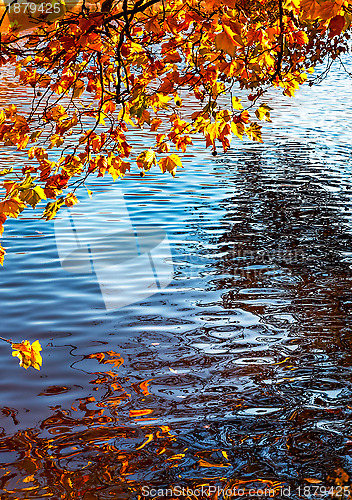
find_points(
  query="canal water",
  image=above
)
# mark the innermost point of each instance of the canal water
(196, 331)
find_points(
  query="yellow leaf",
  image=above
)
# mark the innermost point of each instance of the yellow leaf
(32, 196)
(238, 129)
(117, 167)
(78, 89)
(28, 354)
(236, 103)
(159, 101)
(146, 159)
(52, 208)
(11, 207)
(254, 132)
(263, 112)
(56, 140)
(170, 164)
(70, 200)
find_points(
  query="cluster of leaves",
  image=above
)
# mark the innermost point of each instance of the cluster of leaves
(95, 75)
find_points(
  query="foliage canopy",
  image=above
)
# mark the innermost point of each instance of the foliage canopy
(101, 69)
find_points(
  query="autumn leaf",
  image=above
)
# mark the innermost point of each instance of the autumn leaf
(155, 124)
(336, 25)
(146, 159)
(236, 103)
(28, 354)
(52, 208)
(71, 199)
(254, 132)
(11, 207)
(170, 164)
(263, 112)
(300, 37)
(2, 255)
(225, 41)
(78, 89)
(2, 220)
(6, 171)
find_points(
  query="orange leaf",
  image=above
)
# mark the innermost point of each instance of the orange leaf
(170, 164)
(2, 220)
(11, 207)
(225, 41)
(70, 200)
(155, 124)
(336, 25)
(2, 255)
(300, 37)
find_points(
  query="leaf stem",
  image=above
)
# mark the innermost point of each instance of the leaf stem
(6, 340)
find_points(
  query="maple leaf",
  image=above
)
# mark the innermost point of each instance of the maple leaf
(263, 112)
(146, 159)
(52, 208)
(225, 41)
(254, 132)
(28, 354)
(11, 207)
(236, 103)
(170, 164)
(155, 124)
(300, 37)
(336, 25)
(71, 199)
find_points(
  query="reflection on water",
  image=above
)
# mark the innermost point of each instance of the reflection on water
(239, 370)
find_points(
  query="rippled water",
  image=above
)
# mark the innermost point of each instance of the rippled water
(238, 369)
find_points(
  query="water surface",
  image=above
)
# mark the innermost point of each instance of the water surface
(239, 368)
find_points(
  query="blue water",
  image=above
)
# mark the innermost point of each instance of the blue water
(247, 348)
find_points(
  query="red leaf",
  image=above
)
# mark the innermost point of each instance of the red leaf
(336, 25)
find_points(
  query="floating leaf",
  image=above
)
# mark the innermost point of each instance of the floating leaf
(28, 354)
